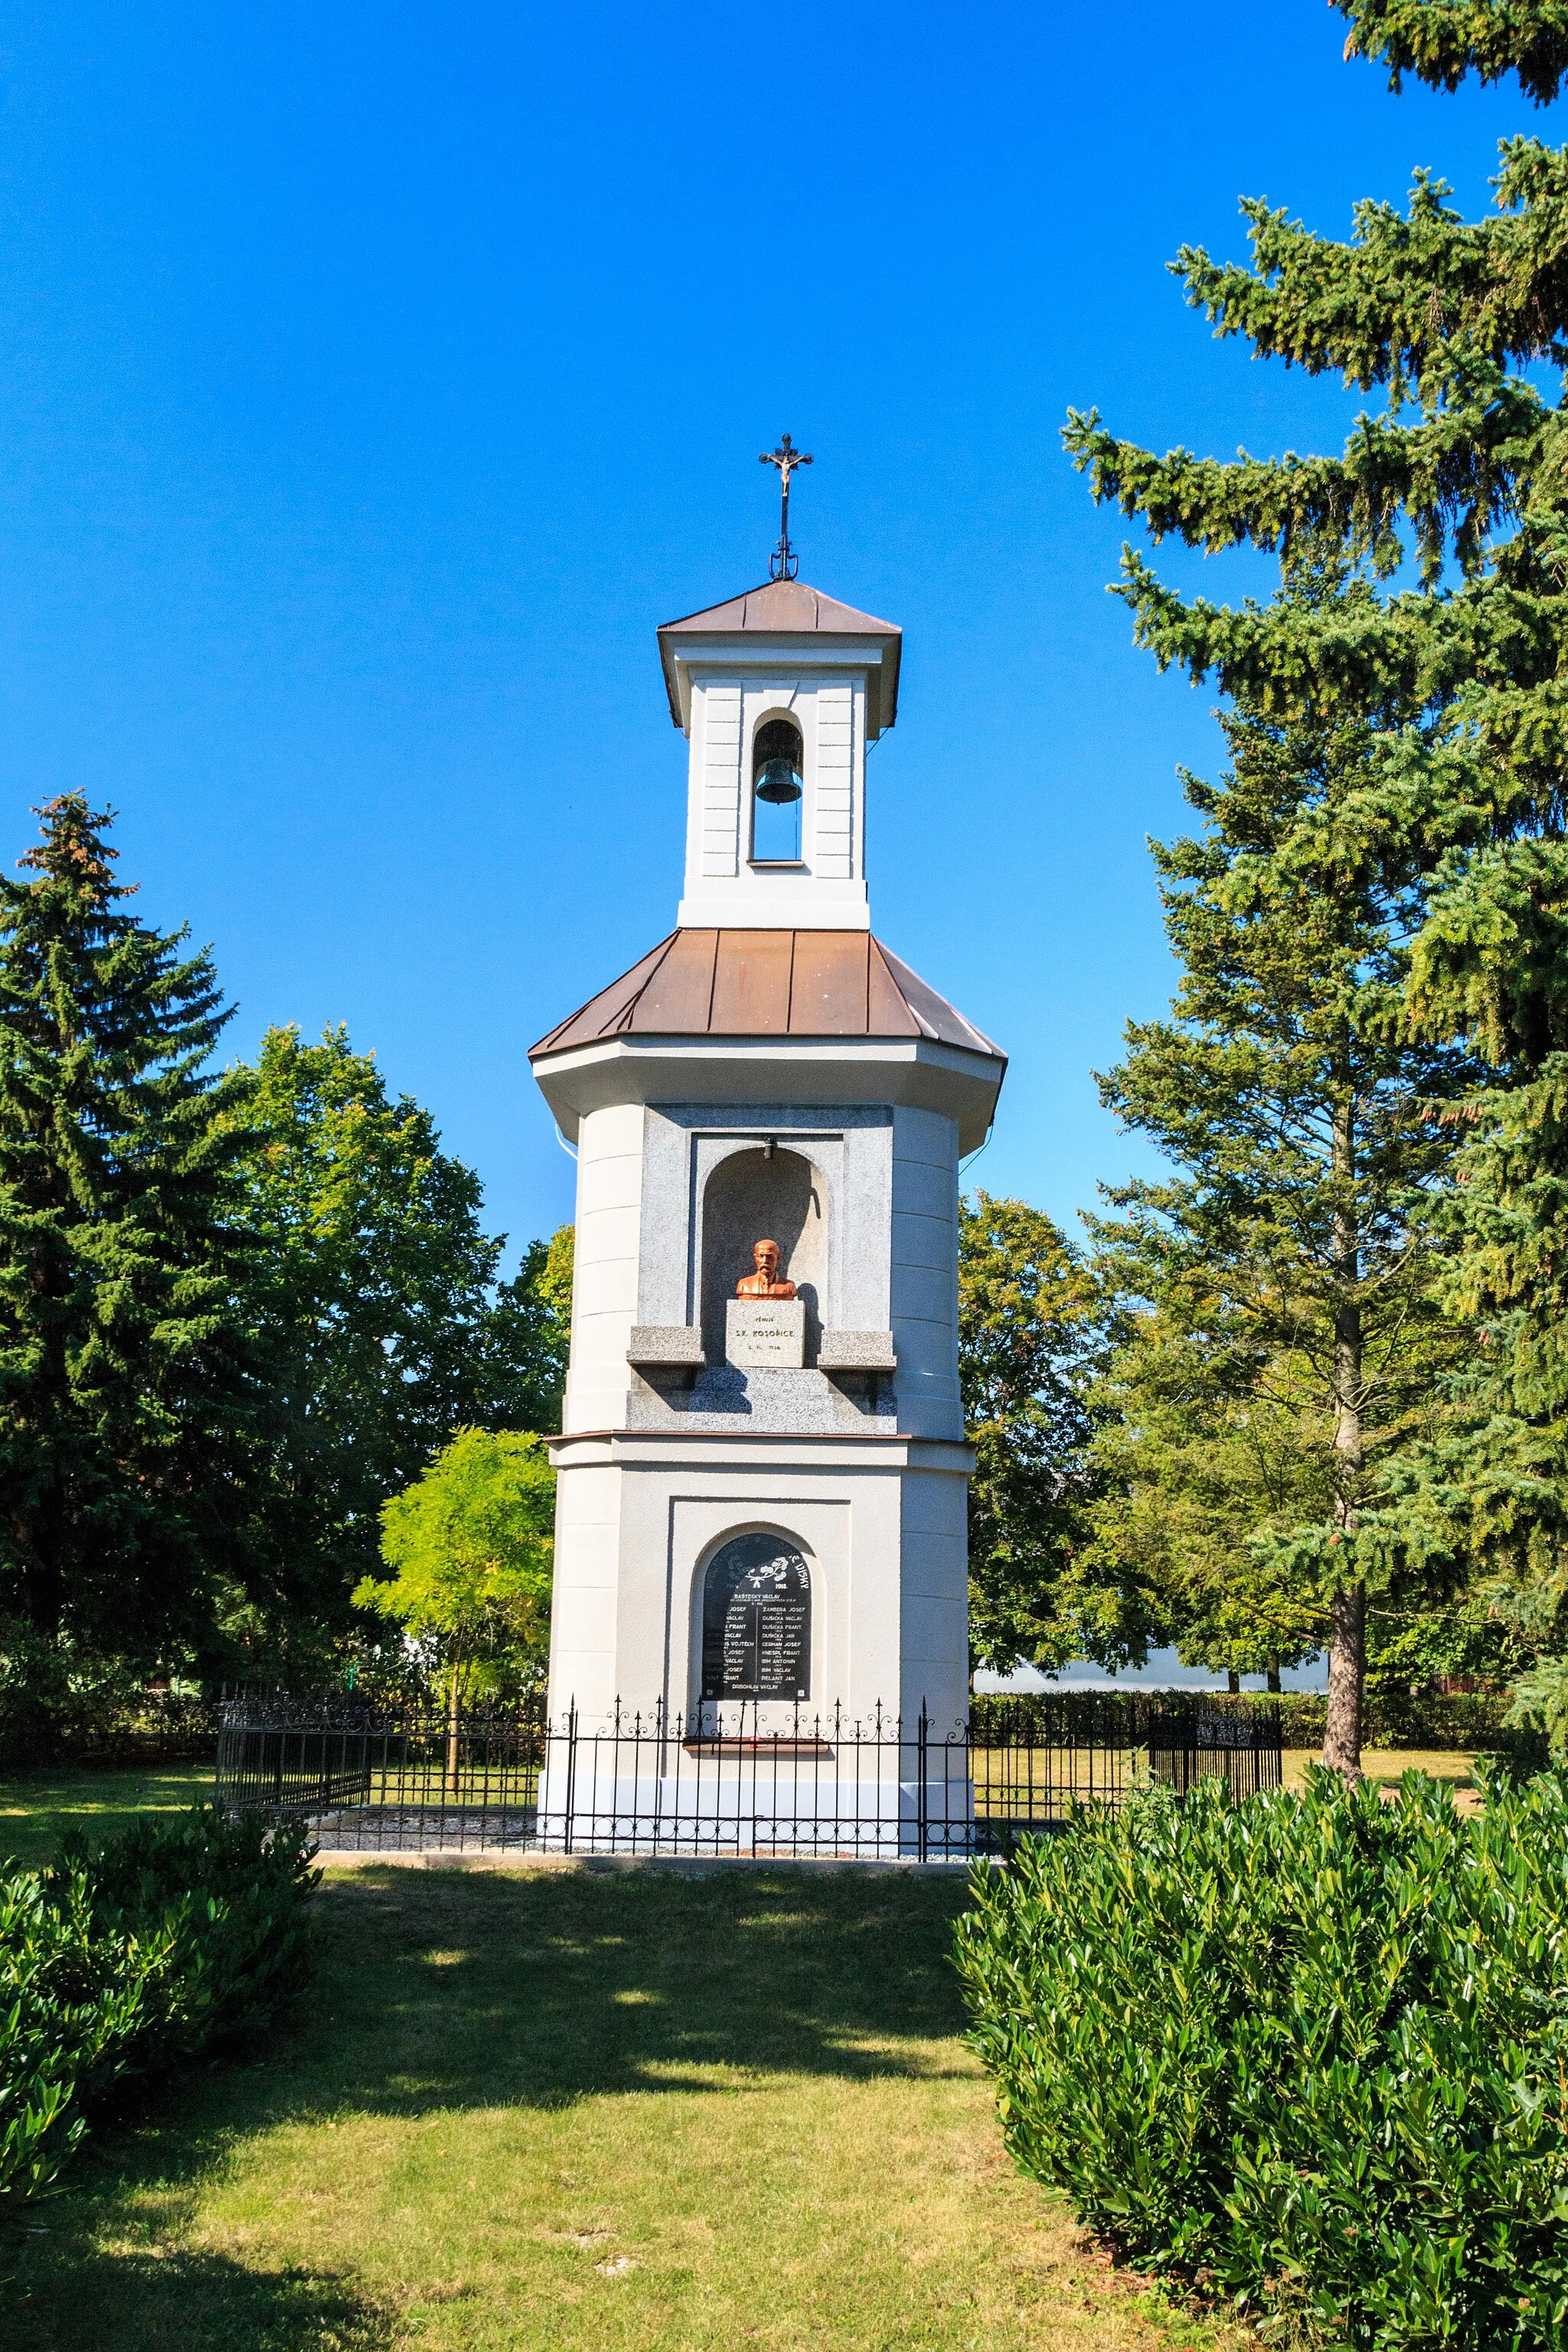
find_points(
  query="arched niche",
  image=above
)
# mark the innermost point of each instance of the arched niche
(750, 1197)
(756, 1622)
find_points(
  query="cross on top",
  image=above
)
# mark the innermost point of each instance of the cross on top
(784, 562)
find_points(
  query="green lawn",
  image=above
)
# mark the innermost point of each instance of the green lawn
(575, 2109)
(36, 1808)
(1387, 1764)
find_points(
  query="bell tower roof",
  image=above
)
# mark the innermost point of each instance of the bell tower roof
(791, 610)
(743, 1016)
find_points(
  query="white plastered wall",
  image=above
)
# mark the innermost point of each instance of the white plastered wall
(584, 1588)
(924, 1284)
(604, 1270)
(934, 1627)
(885, 1546)
(721, 886)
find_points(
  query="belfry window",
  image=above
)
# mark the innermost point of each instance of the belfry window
(778, 764)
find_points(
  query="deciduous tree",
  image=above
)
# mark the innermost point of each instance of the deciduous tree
(528, 1335)
(374, 1296)
(1029, 1326)
(470, 1545)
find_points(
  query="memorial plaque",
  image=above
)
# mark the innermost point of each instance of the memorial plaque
(756, 1620)
(760, 1331)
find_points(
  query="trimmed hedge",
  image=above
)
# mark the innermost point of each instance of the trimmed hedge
(177, 1936)
(1308, 2051)
(1468, 1721)
(1475, 1721)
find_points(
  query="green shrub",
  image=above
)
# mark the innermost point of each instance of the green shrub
(174, 1938)
(1393, 1718)
(59, 1702)
(1309, 2051)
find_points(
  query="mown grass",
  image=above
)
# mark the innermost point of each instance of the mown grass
(1386, 1765)
(638, 2113)
(37, 1808)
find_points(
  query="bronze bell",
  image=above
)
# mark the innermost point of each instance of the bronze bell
(776, 761)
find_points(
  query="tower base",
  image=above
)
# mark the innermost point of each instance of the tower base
(878, 1522)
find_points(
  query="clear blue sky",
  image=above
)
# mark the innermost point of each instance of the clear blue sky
(377, 377)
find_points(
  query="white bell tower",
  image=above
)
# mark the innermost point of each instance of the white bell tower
(768, 1071)
(781, 663)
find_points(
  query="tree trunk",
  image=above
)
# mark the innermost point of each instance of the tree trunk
(1347, 1608)
(452, 1730)
(1274, 1682)
(1347, 1671)
(1232, 1681)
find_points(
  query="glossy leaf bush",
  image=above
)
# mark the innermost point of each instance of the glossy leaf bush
(173, 1938)
(1310, 2051)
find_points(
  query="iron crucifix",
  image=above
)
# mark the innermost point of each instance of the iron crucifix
(784, 562)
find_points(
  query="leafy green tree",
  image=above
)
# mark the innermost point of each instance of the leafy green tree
(1028, 1330)
(375, 1297)
(470, 1547)
(1209, 1451)
(530, 1336)
(127, 1396)
(1293, 1344)
(1419, 1644)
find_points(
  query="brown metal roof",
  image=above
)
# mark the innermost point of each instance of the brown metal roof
(785, 608)
(768, 984)
(789, 608)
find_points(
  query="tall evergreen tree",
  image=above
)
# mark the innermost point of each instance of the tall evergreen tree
(1458, 326)
(126, 1400)
(1283, 1260)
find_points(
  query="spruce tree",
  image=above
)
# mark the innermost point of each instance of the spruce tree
(1291, 1323)
(126, 1397)
(1457, 327)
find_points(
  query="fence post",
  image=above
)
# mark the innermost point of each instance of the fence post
(571, 1772)
(921, 1744)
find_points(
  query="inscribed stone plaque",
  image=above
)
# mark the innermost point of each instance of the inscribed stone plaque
(759, 1331)
(756, 1620)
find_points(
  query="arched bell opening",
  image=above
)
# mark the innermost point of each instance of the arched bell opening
(778, 791)
(772, 1194)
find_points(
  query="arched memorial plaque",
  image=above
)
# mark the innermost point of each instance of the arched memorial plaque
(756, 1620)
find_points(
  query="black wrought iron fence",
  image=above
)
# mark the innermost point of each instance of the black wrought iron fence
(740, 1781)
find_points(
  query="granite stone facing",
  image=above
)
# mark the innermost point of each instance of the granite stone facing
(856, 1351)
(846, 1147)
(726, 1397)
(666, 1343)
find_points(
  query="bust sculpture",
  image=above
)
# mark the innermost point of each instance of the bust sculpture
(764, 1283)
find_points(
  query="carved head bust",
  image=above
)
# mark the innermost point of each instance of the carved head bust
(764, 1283)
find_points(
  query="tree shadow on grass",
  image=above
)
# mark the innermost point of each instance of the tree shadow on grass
(458, 1990)
(169, 2300)
(442, 1990)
